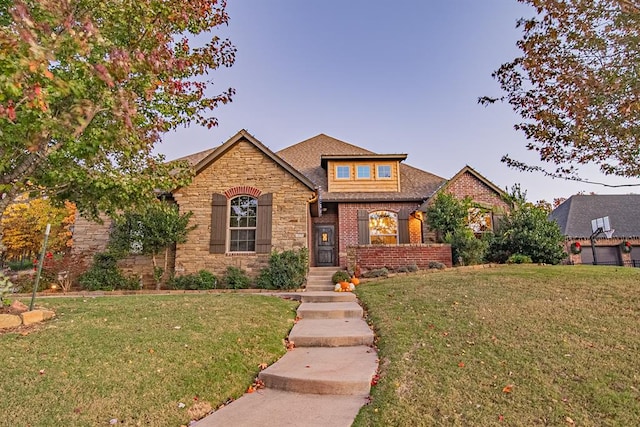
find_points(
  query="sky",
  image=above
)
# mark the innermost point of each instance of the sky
(398, 76)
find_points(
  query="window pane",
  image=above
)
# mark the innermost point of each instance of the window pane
(384, 171)
(343, 172)
(383, 228)
(242, 223)
(364, 172)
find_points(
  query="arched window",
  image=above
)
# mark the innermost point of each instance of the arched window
(383, 228)
(243, 220)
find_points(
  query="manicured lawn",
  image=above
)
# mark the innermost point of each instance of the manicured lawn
(516, 346)
(136, 359)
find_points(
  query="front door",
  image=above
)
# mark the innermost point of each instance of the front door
(325, 245)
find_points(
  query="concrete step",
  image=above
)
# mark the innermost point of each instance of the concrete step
(323, 370)
(327, 296)
(331, 333)
(329, 310)
(316, 287)
(276, 408)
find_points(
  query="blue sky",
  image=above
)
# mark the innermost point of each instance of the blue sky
(391, 77)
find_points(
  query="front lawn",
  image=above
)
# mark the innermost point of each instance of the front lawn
(138, 360)
(516, 346)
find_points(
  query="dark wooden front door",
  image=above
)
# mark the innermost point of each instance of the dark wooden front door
(325, 245)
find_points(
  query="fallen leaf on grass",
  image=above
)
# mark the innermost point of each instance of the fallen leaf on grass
(500, 417)
(199, 410)
(569, 421)
(508, 388)
(263, 366)
(461, 365)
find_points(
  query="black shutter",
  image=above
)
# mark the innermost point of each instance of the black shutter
(218, 224)
(403, 226)
(263, 231)
(363, 227)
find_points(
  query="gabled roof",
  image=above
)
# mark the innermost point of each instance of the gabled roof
(205, 158)
(306, 156)
(466, 169)
(574, 215)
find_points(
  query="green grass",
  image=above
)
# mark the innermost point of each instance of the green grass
(566, 340)
(136, 358)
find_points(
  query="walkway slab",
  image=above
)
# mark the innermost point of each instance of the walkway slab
(275, 408)
(331, 333)
(330, 296)
(329, 310)
(323, 370)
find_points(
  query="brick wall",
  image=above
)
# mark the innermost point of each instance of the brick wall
(468, 185)
(243, 165)
(348, 223)
(369, 257)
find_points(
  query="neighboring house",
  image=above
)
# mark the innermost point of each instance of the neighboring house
(574, 217)
(347, 205)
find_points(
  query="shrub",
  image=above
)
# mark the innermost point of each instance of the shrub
(235, 278)
(287, 270)
(104, 275)
(201, 280)
(437, 265)
(340, 276)
(465, 247)
(380, 272)
(19, 265)
(519, 259)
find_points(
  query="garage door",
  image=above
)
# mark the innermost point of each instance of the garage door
(607, 255)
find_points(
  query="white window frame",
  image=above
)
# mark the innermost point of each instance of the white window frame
(373, 226)
(347, 167)
(240, 228)
(359, 176)
(379, 176)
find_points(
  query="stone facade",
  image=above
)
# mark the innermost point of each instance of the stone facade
(242, 166)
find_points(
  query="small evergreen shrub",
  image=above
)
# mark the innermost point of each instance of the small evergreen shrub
(287, 270)
(19, 265)
(437, 265)
(201, 280)
(104, 275)
(236, 278)
(379, 272)
(340, 276)
(519, 259)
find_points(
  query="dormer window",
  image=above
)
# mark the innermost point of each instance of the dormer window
(364, 172)
(343, 172)
(384, 171)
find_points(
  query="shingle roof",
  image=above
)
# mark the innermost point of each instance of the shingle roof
(574, 215)
(195, 158)
(305, 156)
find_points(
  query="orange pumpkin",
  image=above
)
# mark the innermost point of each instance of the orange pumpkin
(344, 286)
(355, 281)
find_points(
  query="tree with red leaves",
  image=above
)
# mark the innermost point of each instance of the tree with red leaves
(88, 87)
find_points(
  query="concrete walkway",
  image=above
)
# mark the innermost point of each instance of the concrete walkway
(325, 379)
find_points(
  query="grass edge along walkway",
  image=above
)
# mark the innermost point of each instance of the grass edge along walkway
(139, 360)
(521, 345)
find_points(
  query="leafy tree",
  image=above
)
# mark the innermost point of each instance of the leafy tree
(25, 223)
(575, 86)
(447, 214)
(153, 230)
(451, 219)
(87, 87)
(527, 230)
